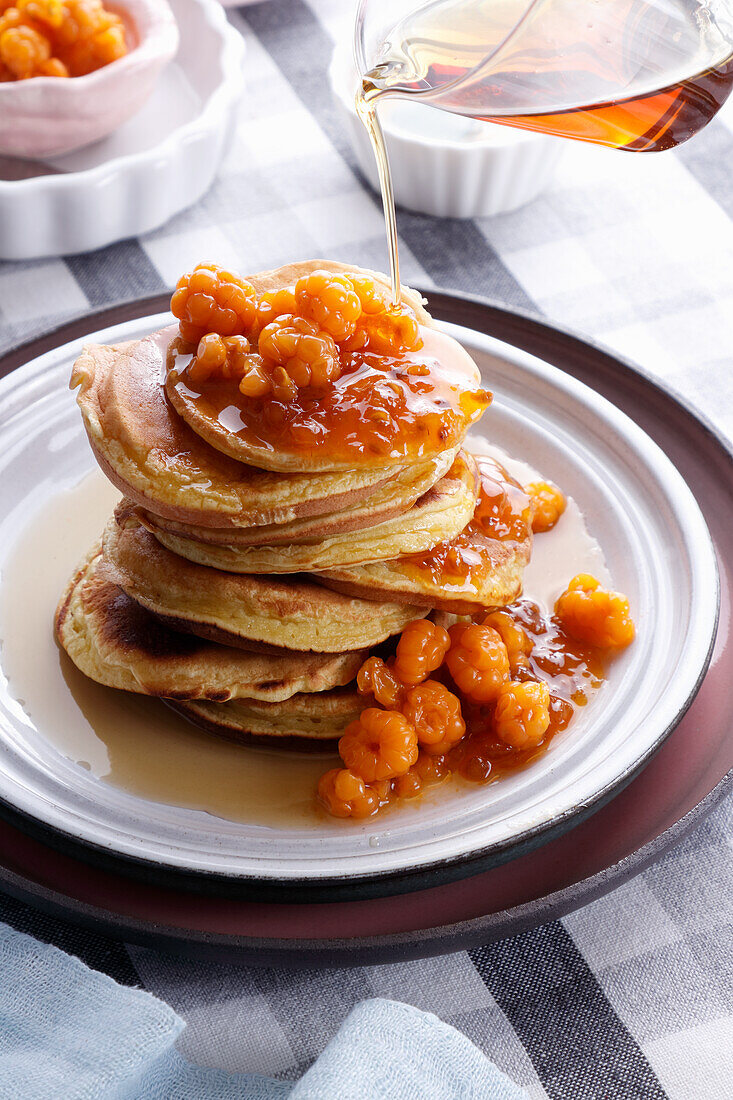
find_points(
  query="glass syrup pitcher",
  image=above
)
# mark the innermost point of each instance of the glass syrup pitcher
(637, 75)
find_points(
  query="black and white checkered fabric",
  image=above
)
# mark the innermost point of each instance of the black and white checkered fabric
(632, 997)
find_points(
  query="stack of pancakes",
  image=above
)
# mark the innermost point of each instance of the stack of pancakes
(246, 587)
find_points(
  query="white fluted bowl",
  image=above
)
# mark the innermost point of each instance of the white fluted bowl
(444, 164)
(47, 116)
(159, 162)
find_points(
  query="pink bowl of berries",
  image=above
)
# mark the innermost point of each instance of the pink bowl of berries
(72, 71)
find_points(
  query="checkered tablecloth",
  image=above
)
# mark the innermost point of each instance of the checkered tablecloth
(631, 997)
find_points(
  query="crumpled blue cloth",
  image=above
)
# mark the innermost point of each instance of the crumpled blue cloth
(69, 1032)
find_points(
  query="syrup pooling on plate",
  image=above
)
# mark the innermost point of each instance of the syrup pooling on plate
(503, 513)
(337, 368)
(131, 742)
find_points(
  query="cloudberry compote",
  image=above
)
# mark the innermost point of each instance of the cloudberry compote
(518, 675)
(344, 794)
(478, 661)
(376, 678)
(379, 745)
(594, 615)
(420, 651)
(330, 301)
(210, 299)
(306, 353)
(503, 514)
(435, 714)
(377, 411)
(59, 38)
(548, 504)
(572, 668)
(522, 713)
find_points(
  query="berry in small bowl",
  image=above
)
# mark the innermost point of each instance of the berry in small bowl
(72, 71)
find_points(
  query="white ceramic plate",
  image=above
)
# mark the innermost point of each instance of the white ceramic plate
(158, 163)
(657, 549)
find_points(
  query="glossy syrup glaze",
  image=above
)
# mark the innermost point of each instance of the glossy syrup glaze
(572, 672)
(503, 514)
(382, 408)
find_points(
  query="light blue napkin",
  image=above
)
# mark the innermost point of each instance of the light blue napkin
(68, 1032)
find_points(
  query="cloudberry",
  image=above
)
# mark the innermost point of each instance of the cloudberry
(425, 772)
(435, 714)
(220, 357)
(518, 643)
(50, 12)
(53, 67)
(594, 615)
(522, 713)
(503, 509)
(330, 301)
(211, 299)
(23, 50)
(388, 332)
(346, 795)
(431, 769)
(58, 38)
(477, 660)
(373, 297)
(273, 303)
(379, 745)
(420, 651)
(256, 381)
(548, 504)
(283, 385)
(409, 785)
(377, 678)
(104, 45)
(308, 354)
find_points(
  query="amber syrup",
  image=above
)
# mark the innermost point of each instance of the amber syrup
(634, 75)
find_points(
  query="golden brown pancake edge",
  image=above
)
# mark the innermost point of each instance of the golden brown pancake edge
(115, 641)
(438, 516)
(306, 722)
(255, 612)
(155, 459)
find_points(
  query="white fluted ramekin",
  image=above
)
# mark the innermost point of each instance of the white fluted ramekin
(130, 194)
(443, 164)
(47, 116)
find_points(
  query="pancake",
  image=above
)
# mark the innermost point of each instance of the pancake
(306, 722)
(440, 514)
(481, 568)
(265, 614)
(151, 455)
(393, 498)
(115, 641)
(335, 429)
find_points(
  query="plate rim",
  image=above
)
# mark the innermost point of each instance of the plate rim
(362, 950)
(381, 883)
